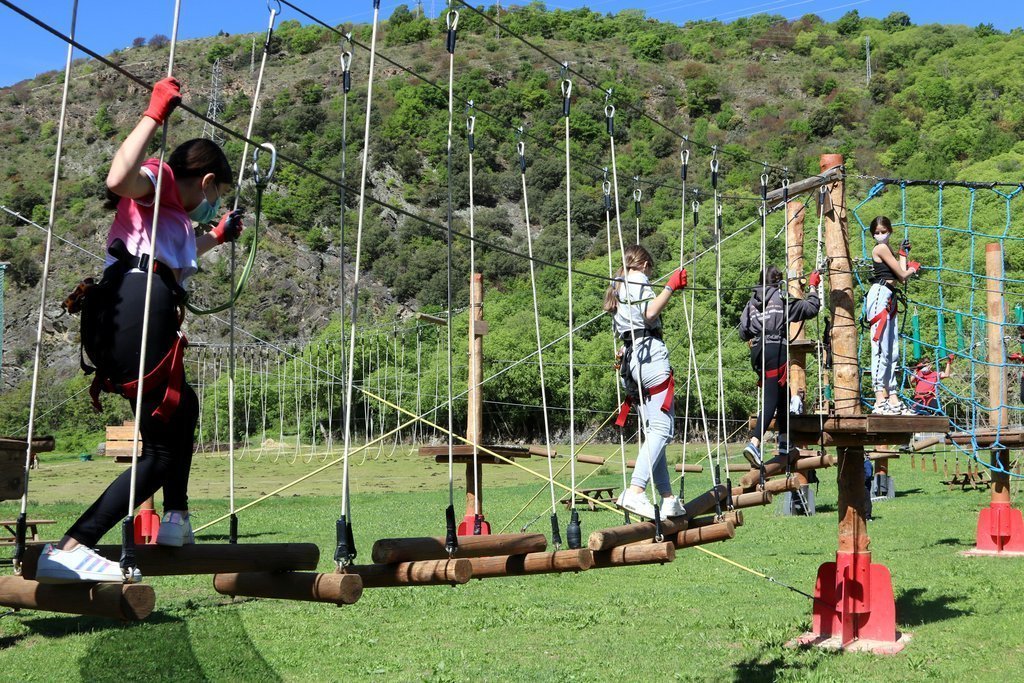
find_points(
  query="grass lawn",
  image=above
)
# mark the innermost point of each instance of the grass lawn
(696, 619)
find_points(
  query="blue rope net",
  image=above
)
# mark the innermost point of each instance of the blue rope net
(950, 226)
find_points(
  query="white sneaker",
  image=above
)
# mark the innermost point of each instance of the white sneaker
(636, 503)
(79, 564)
(671, 507)
(882, 409)
(753, 455)
(175, 529)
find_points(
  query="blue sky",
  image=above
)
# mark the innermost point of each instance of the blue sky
(104, 25)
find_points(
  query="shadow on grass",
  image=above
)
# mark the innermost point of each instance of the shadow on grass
(907, 492)
(954, 541)
(915, 610)
(223, 538)
(757, 668)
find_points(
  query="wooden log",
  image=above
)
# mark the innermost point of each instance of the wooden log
(705, 502)
(392, 550)
(824, 178)
(205, 558)
(638, 553)
(425, 573)
(603, 539)
(791, 483)
(712, 533)
(127, 602)
(734, 516)
(339, 589)
(532, 563)
(689, 468)
(776, 465)
(814, 462)
(749, 500)
(590, 459)
(998, 415)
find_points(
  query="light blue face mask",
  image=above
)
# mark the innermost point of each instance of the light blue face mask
(205, 212)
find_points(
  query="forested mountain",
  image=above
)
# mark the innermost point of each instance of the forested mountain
(766, 94)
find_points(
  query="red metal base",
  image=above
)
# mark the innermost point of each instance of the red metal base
(1000, 529)
(466, 526)
(854, 601)
(147, 525)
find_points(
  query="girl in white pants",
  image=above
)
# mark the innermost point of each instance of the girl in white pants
(880, 312)
(637, 320)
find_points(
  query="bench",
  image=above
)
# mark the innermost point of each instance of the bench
(12, 463)
(32, 536)
(602, 493)
(119, 442)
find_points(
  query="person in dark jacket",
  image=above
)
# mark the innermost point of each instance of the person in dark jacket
(763, 324)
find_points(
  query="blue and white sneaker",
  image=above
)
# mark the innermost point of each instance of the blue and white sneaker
(753, 455)
(175, 529)
(80, 564)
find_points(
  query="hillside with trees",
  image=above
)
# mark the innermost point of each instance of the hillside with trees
(768, 95)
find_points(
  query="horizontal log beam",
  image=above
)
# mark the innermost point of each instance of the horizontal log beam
(126, 602)
(532, 563)
(426, 573)
(392, 550)
(339, 589)
(734, 516)
(590, 459)
(713, 533)
(774, 486)
(638, 553)
(603, 539)
(205, 558)
(806, 185)
(749, 500)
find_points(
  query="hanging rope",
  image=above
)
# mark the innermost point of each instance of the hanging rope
(556, 535)
(606, 187)
(345, 548)
(471, 411)
(21, 525)
(128, 527)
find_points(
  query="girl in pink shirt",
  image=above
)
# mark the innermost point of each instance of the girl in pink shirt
(195, 179)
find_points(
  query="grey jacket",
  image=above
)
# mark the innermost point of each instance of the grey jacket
(773, 317)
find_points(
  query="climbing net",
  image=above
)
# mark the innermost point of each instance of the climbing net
(953, 226)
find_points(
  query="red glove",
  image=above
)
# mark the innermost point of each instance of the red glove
(814, 279)
(229, 228)
(914, 267)
(951, 357)
(166, 96)
(677, 280)
(1017, 357)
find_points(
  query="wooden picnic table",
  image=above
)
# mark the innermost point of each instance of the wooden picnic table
(600, 493)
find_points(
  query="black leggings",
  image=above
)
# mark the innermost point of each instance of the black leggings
(776, 395)
(166, 457)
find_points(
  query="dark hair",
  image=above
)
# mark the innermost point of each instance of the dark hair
(771, 276)
(192, 159)
(635, 257)
(881, 221)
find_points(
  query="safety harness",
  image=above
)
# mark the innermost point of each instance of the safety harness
(632, 390)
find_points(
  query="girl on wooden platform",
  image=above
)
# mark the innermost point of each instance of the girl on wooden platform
(646, 376)
(880, 313)
(764, 325)
(195, 179)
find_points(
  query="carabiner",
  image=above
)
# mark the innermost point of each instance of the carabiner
(257, 176)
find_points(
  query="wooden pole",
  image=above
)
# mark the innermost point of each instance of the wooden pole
(127, 602)
(205, 558)
(532, 563)
(638, 553)
(340, 589)
(604, 539)
(475, 399)
(706, 501)
(794, 271)
(392, 550)
(713, 533)
(427, 573)
(734, 516)
(749, 500)
(998, 416)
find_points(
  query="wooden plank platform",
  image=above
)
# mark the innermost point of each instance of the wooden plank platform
(860, 430)
(463, 453)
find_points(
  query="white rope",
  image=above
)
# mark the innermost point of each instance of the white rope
(44, 280)
(141, 389)
(606, 186)
(521, 148)
(567, 98)
(345, 502)
(471, 143)
(452, 21)
(717, 218)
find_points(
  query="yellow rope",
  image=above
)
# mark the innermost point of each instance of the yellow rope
(728, 561)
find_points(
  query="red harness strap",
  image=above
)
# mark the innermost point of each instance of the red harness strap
(669, 384)
(882, 317)
(170, 371)
(781, 373)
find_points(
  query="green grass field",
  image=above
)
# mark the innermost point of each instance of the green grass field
(696, 619)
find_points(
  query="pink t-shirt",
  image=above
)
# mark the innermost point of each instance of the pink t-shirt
(925, 382)
(175, 237)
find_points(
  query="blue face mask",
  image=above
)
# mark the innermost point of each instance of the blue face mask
(205, 212)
